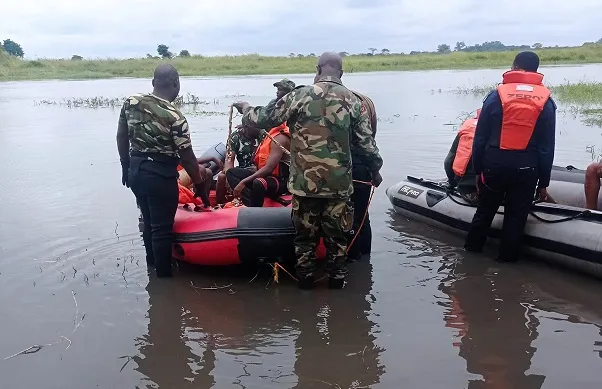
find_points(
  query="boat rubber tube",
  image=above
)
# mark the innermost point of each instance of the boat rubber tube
(232, 236)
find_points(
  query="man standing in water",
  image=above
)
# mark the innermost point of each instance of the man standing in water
(512, 152)
(152, 139)
(325, 121)
(361, 241)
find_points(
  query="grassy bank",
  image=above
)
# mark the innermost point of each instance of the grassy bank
(16, 69)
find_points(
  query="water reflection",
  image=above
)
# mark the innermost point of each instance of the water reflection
(495, 330)
(249, 336)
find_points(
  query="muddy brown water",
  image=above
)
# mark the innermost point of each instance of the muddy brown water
(419, 314)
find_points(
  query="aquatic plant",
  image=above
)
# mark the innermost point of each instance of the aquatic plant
(116, 102)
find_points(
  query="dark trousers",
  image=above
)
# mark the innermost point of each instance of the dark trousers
(157, 198)
(516, 188)
(255, 192)
(360, 199)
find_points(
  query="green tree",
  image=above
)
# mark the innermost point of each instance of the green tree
(372, 50)
(184, 53)
(343, 53)
(460, 46)
(537, 46)
(300, 56)
(76, 57)
(163, 51)
(291, 55)
(599, 40)
(13, 48)
(385, 51)
(443, 49)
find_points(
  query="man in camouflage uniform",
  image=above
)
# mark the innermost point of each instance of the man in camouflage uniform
(152, 139)
(283, 87)
(325, 119)
(243, 144)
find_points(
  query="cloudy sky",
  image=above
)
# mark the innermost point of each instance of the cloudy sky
(131, 28)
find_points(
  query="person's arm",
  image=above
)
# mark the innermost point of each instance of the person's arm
(123, 141)
(271, 115)
(448, 164)
(123, 146)
(204, 160)
(363, 143)
(483, 132)
(234, 145)
(273, 159)
(546, 145)
(181, 138)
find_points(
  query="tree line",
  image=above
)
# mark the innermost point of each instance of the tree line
(13, 48)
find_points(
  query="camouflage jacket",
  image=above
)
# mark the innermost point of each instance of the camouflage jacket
(243, 148)
(368, 109)
(325, 120)
(154, 125)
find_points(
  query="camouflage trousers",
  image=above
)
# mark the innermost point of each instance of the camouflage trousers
(316, 218)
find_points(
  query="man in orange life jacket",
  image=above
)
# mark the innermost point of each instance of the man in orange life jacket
(458, 163)
(513, 152)
(270, 178)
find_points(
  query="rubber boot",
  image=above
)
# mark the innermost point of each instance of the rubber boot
(336, 283)
(163, 269)
(306, 283)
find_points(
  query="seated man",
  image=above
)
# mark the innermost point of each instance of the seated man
(592, 185)
(270, 179)
(458, 163)
(243, 144)
(185, 180)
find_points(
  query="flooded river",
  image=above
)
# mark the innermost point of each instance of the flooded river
(76, 298)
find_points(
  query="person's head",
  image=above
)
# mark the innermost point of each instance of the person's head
(527, 61)
(283, 87)
(248, 131)
(166, 82)
(329, 65)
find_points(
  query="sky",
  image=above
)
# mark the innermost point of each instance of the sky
(133, 28)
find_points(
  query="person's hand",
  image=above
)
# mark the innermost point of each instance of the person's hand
(238, 190)
(201, 192)
(125, 167)
(377, 179)
(240, 106)
(252, 168)
(543, 194)
(219, 163)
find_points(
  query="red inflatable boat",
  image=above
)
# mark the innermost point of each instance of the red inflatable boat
(237, 235)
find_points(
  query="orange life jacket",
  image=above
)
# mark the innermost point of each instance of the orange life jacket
(523, 98)
(464, 150)
(263, 151)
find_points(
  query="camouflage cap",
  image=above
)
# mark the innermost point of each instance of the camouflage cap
(285, 84)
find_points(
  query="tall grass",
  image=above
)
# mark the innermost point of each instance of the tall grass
(15, 69)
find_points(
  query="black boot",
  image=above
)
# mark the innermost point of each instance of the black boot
(336, 283)
(163, 269)
(306, 283)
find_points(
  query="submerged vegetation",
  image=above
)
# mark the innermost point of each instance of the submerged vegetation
(116, 102)
(12, 68)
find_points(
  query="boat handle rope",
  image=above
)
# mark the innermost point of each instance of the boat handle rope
(469, 203)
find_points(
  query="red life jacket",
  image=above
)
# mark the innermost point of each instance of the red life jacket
(264, 149)
(464, 150)
(523, 98)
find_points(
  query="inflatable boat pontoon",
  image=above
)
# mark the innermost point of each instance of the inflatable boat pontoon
(563, 234)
